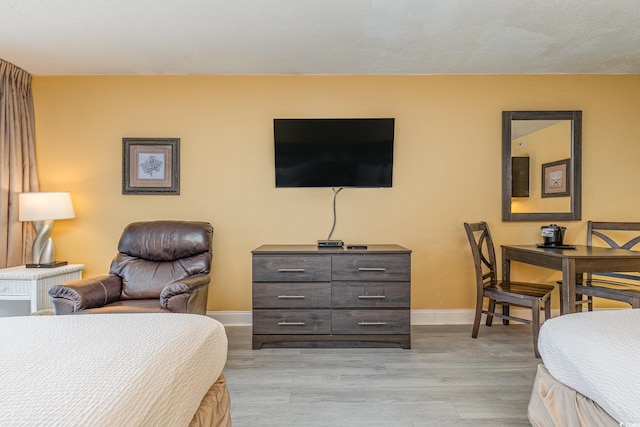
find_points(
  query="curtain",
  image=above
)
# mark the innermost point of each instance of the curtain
(17, 162)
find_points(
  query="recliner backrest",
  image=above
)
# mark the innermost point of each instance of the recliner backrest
(152, 254)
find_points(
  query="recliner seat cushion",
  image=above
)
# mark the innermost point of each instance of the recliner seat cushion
(129, 306)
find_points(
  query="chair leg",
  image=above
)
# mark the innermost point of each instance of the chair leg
(491, 309)
(477, 317)
(547, 309)
(579, 297)
(535, 324)
(505, 311)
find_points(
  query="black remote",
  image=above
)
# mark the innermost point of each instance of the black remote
(357, 247)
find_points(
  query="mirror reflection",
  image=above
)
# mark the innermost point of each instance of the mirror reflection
(542, 142)
(541, 165)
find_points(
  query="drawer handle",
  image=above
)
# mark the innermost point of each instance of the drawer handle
(372, 323)
(291, 270)
(291, 297)
(292, 323)
(372, 269)
(371, 296)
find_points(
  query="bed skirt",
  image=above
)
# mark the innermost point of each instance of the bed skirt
(215, 408)
(554, 404)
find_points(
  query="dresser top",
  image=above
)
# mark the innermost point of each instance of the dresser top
(22, 272)
(313, 249)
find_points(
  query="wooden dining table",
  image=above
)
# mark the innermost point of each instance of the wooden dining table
(572, 262)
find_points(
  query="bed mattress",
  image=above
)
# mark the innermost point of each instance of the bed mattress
(597, 354)
(108, 369)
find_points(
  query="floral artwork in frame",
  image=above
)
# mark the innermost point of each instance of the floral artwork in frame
(150, 166)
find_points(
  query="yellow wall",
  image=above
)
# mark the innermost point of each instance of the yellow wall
(447, 165)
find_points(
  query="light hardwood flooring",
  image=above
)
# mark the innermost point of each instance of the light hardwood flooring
(447, 378)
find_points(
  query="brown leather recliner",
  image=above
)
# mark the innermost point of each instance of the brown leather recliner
(161, 266)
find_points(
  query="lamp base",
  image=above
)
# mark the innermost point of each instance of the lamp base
(47, 265)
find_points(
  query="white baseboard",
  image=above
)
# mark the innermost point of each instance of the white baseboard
(232, 318)
(442, 317)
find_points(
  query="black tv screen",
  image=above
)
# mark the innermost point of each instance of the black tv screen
(334, 152)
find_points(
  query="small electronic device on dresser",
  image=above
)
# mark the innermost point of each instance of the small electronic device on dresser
(357, 247)
(330, 243)
(339, 244)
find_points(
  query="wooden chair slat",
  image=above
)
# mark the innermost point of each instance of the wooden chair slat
(604, 284)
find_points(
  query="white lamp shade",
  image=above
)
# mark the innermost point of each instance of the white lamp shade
(45, 206)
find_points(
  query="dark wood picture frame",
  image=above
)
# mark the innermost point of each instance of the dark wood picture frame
(555, 179)
(151, 166)
(575, 212)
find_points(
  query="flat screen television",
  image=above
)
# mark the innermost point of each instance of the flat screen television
(334, 152)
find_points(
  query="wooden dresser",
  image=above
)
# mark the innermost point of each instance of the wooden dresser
(304, 296)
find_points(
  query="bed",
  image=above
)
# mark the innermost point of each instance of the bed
(590, 375)
(152, 369)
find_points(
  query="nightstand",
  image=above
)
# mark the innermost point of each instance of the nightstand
(32, 284)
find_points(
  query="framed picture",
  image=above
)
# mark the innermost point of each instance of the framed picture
(150, 166)
(556, 178)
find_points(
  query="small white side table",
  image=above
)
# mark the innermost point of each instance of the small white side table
(32, 284)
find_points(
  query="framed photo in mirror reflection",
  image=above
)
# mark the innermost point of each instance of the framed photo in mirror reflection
(555, 179)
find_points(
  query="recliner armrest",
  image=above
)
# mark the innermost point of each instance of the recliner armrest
(82, 294)
(182, 295)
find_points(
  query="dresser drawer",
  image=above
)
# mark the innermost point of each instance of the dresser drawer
(383, 267)
(370, 322)
(291, 322)
(291, 268)
(292, 295)
(371, 294)
(15, 287)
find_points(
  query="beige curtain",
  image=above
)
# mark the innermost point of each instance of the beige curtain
(17, 162)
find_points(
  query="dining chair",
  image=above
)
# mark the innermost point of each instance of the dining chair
(506, 294)
(623, 287)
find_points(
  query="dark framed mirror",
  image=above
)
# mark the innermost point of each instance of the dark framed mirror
(551, 141)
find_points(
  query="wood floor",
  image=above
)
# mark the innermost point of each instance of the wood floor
(447, 378)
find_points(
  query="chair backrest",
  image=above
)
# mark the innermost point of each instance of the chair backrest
(484, 255)
(618, 235)
(152, 254)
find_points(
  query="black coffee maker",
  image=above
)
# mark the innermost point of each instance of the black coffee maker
(553, 234)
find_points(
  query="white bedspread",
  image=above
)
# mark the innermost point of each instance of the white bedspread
(107, 369)
(597, 354)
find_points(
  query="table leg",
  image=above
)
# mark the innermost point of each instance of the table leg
(506, 275)
(568, 303)
(579, 279)
(506, 267)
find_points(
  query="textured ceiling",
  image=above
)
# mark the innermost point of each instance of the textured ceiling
(86, 37)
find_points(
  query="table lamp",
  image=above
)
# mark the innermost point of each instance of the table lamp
(43, 208)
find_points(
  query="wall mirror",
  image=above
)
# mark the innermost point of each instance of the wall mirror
(541, 165)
